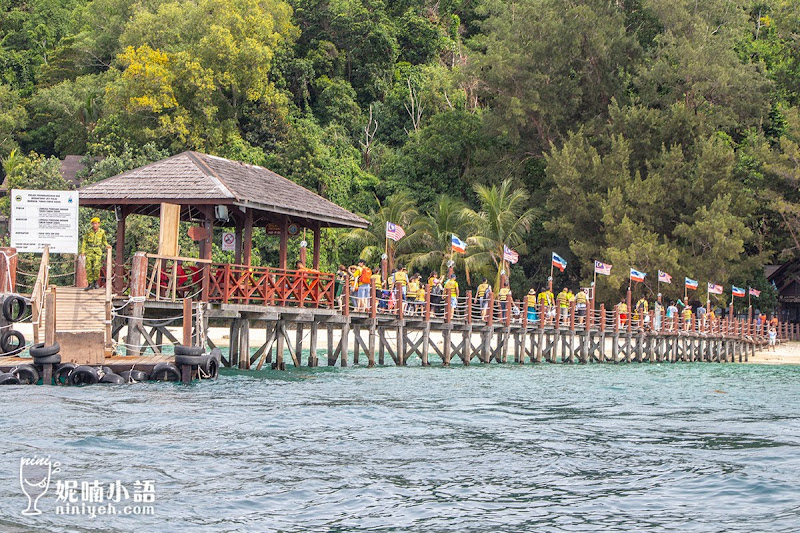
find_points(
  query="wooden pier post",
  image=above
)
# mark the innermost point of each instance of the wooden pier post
(373, 322)
(49, 332)
(138, 296)
(313, 359)
(602, 355)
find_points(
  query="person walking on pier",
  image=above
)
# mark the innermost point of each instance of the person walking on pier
(93, 245)
(483, 292)
(504, 296)
(686, 314)
(622, 310)
(642, 311)
(581, 299)
(533, 315)
(658, 309)
(672, 312)
(546, 298)
(563, 303)
(451, 291)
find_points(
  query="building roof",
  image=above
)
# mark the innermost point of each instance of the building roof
(192, 178)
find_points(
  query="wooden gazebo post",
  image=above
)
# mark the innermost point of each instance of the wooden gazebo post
(247, 243)
(284, 241)
(317, 232)
(119, 268)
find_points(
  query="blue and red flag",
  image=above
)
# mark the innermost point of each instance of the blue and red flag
(637, 276)
(559, 262)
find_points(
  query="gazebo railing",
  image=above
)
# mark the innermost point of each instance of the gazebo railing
(242, 284)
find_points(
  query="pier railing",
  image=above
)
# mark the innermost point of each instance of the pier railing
(241, 284)
(494, 311)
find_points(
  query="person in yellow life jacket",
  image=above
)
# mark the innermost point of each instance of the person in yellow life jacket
(401, 280)
(546, 298)
(581, 299)
(504, 297)
(93, 245)
(420, 296)
(355, 283)
(622, 308)
(483, 293)
(451, 290)
(530, 299)
(686, 314)
(563, 302)
(641, 311)
(411, 292)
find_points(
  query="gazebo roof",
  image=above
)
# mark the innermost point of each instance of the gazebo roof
(192, 178)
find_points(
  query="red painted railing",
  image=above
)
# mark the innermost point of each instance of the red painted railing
(240, 284)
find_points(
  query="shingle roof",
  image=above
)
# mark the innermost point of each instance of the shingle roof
(192, 176)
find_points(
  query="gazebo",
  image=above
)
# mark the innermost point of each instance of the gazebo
(216, 192)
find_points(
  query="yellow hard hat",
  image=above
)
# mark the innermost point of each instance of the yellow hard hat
(95, 219)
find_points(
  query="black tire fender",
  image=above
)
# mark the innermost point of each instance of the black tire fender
(7, 378)
(180, 349)
(27, 374)
(40, 350)
(165, 372)
(62, 373)
(54, 359)
(193, 360)
(133, 376)
(7, 347)
(110, 377)
(8, 307)
(84, 375)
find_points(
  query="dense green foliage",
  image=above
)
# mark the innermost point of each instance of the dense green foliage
(647, 134)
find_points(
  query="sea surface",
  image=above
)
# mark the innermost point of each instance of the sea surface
(494, 448)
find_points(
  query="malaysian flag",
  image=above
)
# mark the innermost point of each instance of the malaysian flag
(736, 291)
(559, 262)
(754, 292)
(690, 283)
(457, 245)
(510, 255)
(714, 289)
(637, 276)
(663, 277)
(602, 268)
(394, 232)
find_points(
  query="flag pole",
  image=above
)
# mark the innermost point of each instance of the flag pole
(551, 273)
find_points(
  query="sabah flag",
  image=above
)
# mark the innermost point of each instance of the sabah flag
(737, 291)
(714, 289)
(559, 262)
(602, 268)
(754, 292)
(458, 245)
(663, 277)
(690, 283)
(637, 276)
(510, 255)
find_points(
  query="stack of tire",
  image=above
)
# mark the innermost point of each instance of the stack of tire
(206, 364)
(14, 308)
(12, 342)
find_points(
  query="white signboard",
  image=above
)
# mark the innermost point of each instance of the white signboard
(40, 218)
(228, 242)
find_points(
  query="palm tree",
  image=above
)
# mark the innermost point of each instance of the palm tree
(430, 242)
(503, 219)
(401, 209)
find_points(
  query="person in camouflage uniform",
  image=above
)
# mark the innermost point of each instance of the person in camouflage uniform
(93, 245)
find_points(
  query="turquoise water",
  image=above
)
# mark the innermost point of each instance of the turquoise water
(694, 447)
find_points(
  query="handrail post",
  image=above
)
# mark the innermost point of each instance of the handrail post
(525, 314)
(427, 303)
(346, 306)
(468, 312)
(490, 314)
(602, 318)
(373, 301)
(447, 307)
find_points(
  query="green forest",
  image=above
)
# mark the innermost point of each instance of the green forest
(642, 133)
